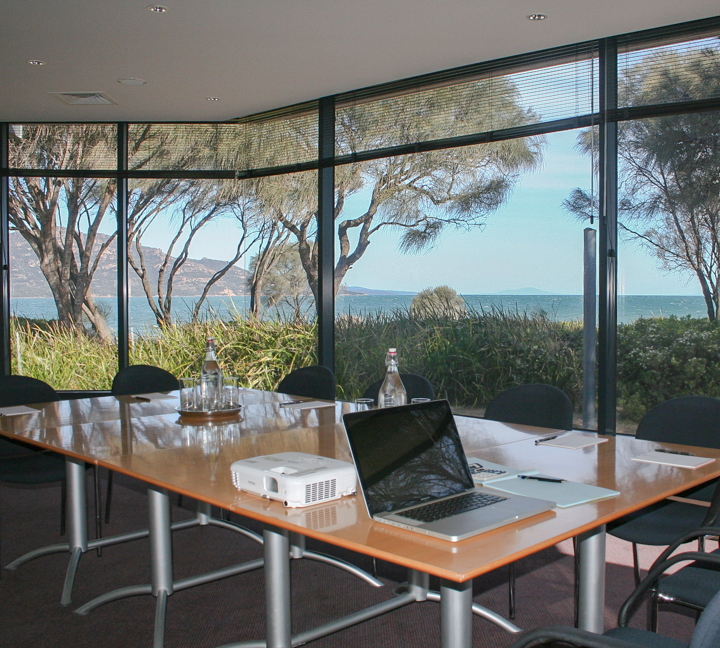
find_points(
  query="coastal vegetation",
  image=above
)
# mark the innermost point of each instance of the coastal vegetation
(468, 359)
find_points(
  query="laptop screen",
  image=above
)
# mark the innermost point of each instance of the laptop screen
(407, 455)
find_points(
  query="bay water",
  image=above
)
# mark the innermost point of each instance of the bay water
(556, 307)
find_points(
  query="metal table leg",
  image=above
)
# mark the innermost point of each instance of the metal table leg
(591, 588)
(160, 557)
(277, 588)
(456, 614)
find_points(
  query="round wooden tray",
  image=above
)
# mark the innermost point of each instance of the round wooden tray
(209, 415)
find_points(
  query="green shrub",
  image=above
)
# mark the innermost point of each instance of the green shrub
(662, 358)
(468, 360)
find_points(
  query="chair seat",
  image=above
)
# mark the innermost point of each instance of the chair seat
(36, 468)
(692, 585)
(644, 638)
(659, 524)
(10, 448)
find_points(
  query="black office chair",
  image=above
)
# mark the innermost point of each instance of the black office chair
(415, 387)
(706, 634)
(692, 586)
(314, 381)
(142, 379)
(138, 379)
(691, 420)
(536, 404)
(24, 464)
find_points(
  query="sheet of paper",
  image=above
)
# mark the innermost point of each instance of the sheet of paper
(154, 396)
(679, 461)
(17, 409)
(307, 404)
(573, 441)
(564, 494)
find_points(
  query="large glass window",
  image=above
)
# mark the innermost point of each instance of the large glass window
(669, 261)
(467, 261)
(233, 260)
(63, 280)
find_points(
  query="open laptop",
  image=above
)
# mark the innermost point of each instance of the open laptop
(413, 474)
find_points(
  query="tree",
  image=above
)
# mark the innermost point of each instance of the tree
(285, 283)
(420, 195)
(669, 197)
(188, 204)
(60, 218)
(442, 301)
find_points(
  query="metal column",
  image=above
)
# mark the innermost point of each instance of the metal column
(591, 587)
(277, 588)
(456, 614)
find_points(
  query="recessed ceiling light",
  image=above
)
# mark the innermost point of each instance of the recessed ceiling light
(213, 98)
(36, 62)
(537, 17)
(157, 9)
(131, 81)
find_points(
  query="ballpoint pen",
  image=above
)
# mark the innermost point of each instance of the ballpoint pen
(554, 480)
(676, 452)
(142, 399)
(550, 438)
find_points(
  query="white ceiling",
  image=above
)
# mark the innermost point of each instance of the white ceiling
(256, 55)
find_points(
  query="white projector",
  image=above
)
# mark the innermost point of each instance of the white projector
(295, 478)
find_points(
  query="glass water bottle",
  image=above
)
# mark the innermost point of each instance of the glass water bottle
(392, 392)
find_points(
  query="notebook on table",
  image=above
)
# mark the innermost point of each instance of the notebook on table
(413, 474)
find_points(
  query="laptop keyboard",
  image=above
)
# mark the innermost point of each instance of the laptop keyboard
(452, 506)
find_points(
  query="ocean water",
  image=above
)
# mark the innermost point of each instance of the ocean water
(557, 307)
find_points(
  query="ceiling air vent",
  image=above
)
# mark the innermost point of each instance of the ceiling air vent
(84, 98)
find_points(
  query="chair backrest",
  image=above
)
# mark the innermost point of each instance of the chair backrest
(22, 390)
(142, 379)
(415, 386)
(707, 630)
(314, 381)
(693, 420)
(536, 404)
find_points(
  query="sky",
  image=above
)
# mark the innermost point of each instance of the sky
(531, 241)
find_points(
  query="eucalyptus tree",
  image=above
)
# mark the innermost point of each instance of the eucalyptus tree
(418, 196)
(61, 218)
(669, 171)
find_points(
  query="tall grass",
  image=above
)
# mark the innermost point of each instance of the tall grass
(467, 359)
(259, 352)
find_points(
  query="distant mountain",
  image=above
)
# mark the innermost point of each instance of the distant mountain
(27, 279)
(524, 291)
(358, 290)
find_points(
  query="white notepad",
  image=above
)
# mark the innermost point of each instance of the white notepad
(564, 494)
(307, 404)
(679, 461)
(17, 409)
(572, 441)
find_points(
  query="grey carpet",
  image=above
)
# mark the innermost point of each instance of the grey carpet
(232, 609)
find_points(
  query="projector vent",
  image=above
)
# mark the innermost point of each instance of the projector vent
(320, 491)
(84, 98)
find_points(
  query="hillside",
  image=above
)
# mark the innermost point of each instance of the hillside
(27, 280)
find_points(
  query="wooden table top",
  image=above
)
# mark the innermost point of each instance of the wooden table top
(195, 460)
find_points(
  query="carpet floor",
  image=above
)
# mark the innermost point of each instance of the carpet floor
(232, 609)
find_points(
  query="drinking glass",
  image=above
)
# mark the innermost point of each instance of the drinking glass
(208, 393)
(414, 401)
(363, 404)
(231, 394)
(187, 393)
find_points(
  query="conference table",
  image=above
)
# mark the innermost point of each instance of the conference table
(150, 442)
